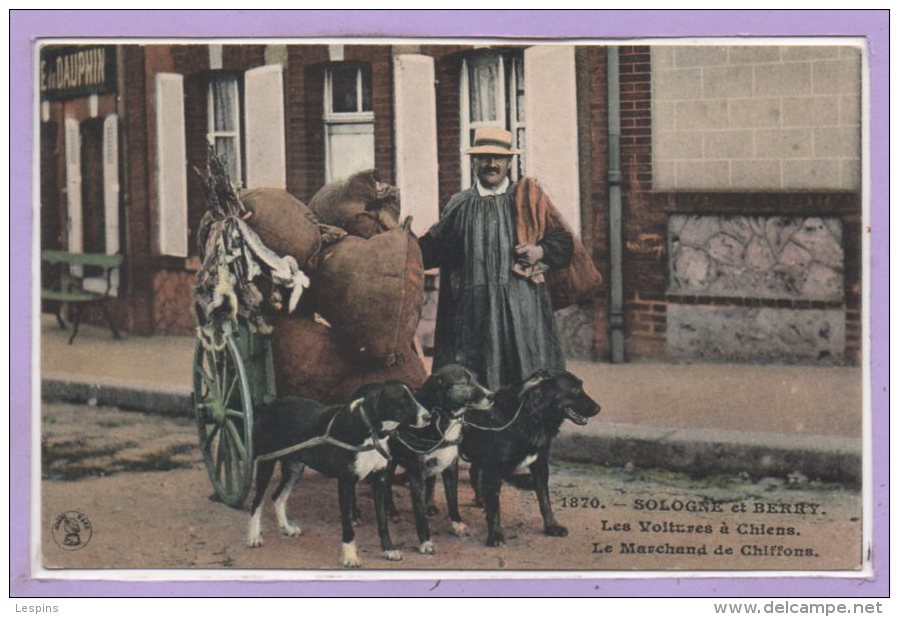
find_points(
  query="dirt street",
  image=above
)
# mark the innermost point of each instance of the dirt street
(140, 482)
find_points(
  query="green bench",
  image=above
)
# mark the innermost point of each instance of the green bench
(68, 288)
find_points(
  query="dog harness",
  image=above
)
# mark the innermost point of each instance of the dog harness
(422, 445)
(326, 439)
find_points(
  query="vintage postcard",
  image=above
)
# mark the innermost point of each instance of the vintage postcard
(454, 303)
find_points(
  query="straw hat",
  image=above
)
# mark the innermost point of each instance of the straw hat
(491, 140)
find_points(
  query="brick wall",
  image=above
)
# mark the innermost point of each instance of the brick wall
(644, 226)
(593, 117)
(380, 59)
(756, 117)
(447, 65)
(304, 83)
(135, 196)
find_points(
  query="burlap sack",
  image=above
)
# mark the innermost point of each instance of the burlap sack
(283, 223)
(371, 291)
(409, 369)
(362, 204)
(308, 360)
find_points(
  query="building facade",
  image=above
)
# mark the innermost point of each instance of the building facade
(717, 188)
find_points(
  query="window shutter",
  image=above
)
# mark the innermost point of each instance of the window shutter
(551, 146)
(172, 165)
(111, 182)
(264, 121)
(416, 139)
(111, 192)
(73, 185)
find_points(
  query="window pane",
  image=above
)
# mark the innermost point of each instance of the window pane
(366, 89)
(521, 145)
(343, 89)
(226, 147)
(483, 73)
(224, 104)
(519, 90)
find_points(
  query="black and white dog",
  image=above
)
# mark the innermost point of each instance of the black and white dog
(376, 411)
(521, 426)
(446, 394)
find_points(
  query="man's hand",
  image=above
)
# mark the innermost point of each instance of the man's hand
(528, 254)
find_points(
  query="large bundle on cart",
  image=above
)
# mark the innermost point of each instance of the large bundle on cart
(362, 204)
(235, 260)
(371, 291)
(310, 361)
(283, 223)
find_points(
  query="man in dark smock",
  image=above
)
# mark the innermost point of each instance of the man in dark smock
(490, 319)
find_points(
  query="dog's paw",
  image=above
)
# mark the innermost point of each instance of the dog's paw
(254, 531)
(350, 557)
(290, 529)
(557, 531)
(426, 548)
(460, 529)
(496, 540)
(254, 541)
(393, 555)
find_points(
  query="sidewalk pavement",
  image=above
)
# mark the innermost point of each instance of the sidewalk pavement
(764, 420)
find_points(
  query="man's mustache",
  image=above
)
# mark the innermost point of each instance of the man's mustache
(491, 169)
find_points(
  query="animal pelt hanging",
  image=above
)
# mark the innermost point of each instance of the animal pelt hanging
(233, 260)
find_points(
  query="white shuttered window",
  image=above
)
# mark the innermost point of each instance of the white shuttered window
(171, 165)
(264, 116)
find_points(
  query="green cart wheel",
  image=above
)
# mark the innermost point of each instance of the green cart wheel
(224, 412)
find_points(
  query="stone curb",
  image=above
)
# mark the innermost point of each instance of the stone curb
(700, 451)
(137, 397)
(694, 451)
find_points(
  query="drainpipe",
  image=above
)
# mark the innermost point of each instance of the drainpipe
(616, 286)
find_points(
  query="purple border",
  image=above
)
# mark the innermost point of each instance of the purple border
(26, 25)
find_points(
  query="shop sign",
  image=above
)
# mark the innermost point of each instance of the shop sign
(72, 71)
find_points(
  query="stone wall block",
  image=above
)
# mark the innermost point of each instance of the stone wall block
(728, 144)
(786, 143)
(693, 270)
(703, 174)
(699, 55)
(811, 174)
(753, 54)
(710, 114)
(677, 85)
(759, 255)
(811, 111)
(754, 113)
(791, 79)
(798, 53)
(836, 77)
(815, 237)
(755, 174)
(662, 57)
(822, 283)
(679, 145)
(726, 249)
(739, 227)
(696, 230)
(794, 256)
(779, 230)
(727, 82)
(838, 141)
(757, 335)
